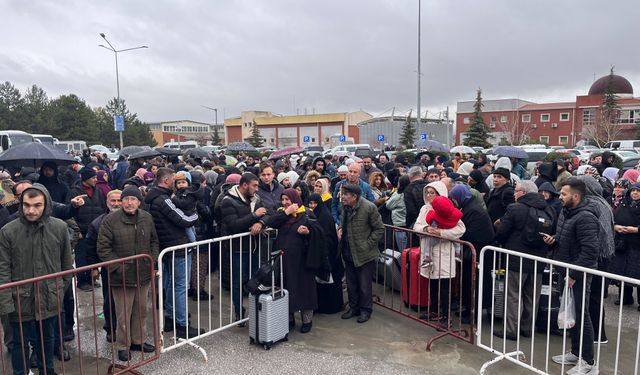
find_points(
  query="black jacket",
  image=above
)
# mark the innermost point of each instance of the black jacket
(479, 225)
(92, 208)
(169, 220)
(270, 195)
(577, 238)
(512, 226)
(91, 243)
(547, 172)
(498, 200)
(56, 188)
(237, 216)
(414, 200)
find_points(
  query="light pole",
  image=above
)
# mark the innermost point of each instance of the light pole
(179, 130)
(115, 52)
(215, 126)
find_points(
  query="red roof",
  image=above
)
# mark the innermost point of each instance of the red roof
(534, 107)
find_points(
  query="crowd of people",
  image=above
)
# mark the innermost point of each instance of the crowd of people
(330, 214)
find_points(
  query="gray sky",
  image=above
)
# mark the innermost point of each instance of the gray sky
(330, 55)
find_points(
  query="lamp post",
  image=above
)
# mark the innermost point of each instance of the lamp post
(179, 130)
(115, 52)
(215, 126)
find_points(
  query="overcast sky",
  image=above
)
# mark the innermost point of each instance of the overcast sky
(328, 55)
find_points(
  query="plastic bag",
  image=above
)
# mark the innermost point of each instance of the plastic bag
(567, 312)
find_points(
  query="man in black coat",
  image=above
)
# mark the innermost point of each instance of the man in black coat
(269, 190)
(577, 243)
(510, 233)
(241, 211)
(501, 195)
(413, 195)
(50, 179)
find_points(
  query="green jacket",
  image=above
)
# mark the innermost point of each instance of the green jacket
(364, 229)
(32, 249)
(123, 235)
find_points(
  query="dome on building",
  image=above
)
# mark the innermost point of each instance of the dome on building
(620, 86)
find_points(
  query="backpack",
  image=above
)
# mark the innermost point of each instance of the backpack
(538, 221)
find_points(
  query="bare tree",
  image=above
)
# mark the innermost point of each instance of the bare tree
(516, 133)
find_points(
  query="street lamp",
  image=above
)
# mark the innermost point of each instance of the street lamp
(215, 126)
(115, 52)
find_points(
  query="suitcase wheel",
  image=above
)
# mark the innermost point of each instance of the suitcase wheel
(266, 347)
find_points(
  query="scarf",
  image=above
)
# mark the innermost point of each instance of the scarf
(326, 196)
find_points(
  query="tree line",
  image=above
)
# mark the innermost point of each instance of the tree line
(68, 117)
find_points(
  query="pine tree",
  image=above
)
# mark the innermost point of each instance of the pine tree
(215, 137)
(255, 138)
(477, 134)
(408, 136)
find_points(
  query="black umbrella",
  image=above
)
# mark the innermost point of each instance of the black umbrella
(33, 155)
(168, 151)
(197, 153)
(130, 150)
(241, 146)
(145, 154)
(430, 145)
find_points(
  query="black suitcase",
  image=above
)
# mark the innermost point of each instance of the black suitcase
(549, 291)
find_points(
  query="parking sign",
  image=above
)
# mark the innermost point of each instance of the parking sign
(380, 137)
(306, 139)
(423, 136)
(343, 138)
(118, 123)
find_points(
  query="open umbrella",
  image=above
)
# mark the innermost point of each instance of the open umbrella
(197, 153)
(130, 150)
(168, 151)
(286, 152)
(230, 160)
(430, 145)
(241, 146)
(462, 150)
(145, 154)
(511, 152)
(33, 155)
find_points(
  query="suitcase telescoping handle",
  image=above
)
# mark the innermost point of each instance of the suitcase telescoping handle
(280, 293)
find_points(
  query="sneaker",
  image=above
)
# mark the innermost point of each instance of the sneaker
(583, 368)
(567, 358)
(602, 341)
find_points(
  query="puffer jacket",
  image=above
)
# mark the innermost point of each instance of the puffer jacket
(577, 238)
(33, 249)
(237, 216)
(413, 200)
(364, 228)
(122, 235)
(170, 221)
(498, 200)
(270, 195)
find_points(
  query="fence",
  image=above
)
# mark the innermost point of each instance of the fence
(237, 257)
(440, 295)
(41, 314)
(528, 291)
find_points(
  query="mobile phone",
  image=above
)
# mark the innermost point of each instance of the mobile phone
(544, 234)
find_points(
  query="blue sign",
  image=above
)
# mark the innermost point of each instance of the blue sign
(423, 136)
(343, 138)
(380, 137)
(306, 139)
(118, 123)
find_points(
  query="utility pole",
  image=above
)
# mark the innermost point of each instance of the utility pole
(447, 124)
(419, 73)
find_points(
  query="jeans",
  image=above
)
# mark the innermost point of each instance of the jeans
(401, 239)
(31, 331)
(176, 283)
(237, 259)
(587, 328)
(191, 234)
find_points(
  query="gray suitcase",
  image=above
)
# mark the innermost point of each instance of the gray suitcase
(269, 315)
(389, 272)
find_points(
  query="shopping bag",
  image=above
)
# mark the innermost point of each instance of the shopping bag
(567, 311)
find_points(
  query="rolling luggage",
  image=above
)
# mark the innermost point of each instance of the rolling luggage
(389, 268)
(554, 291)
(269, 313)
(415, 288)
(498, 293)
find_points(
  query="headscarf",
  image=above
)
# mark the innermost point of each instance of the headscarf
(211, 177)
(611, 174)
(631, 175)
(581, 171)
(294, 197)
(140, 173)
(293, 177)
(461, 194)
(617, 199)
(465, 168)
(325, 189)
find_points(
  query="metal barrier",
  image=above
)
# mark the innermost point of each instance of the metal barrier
(43, 329)
(535, 322)
(443, 297)
(238, 256)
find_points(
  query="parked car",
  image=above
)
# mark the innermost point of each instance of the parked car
(535, 156)
(314, 150)
(625, 155)
(622, 144)
(631, 163)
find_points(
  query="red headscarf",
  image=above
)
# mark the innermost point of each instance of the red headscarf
(443, 213)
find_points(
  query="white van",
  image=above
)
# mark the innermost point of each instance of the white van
(623, 144)
(69, 146)
(349, 148)
(11, 138)
(184, 145)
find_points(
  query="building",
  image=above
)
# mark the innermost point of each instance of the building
(298, 130)
(390, 128)
(183, 130)
(517, 121)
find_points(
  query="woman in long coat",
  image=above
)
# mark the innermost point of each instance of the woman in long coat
(330, 296)
(291, 221)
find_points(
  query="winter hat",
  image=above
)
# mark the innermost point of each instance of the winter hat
(233, 178)
(631, 175)
(465, 168)
(443, 213)
(504, 172)
(131, 191)
(352, 188)
(343, 168)
(183, 175)
(86, 173)
(635, 186)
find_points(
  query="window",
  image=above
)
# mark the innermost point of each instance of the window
(503, 119)
(564, 116)
(563, 140)
(588, 117)
(629, 116)
(467, 120)
(544, 139)
(545, 117)
(493, 119)
(526, 118)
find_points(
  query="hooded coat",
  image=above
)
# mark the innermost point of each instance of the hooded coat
(33, 249)
(547, 172)
(476, 219)
(498, 200)
(602, 210)
(57, 189)
(553, 200)
(626, 261)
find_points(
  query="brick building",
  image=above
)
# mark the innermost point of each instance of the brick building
(557, 124)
